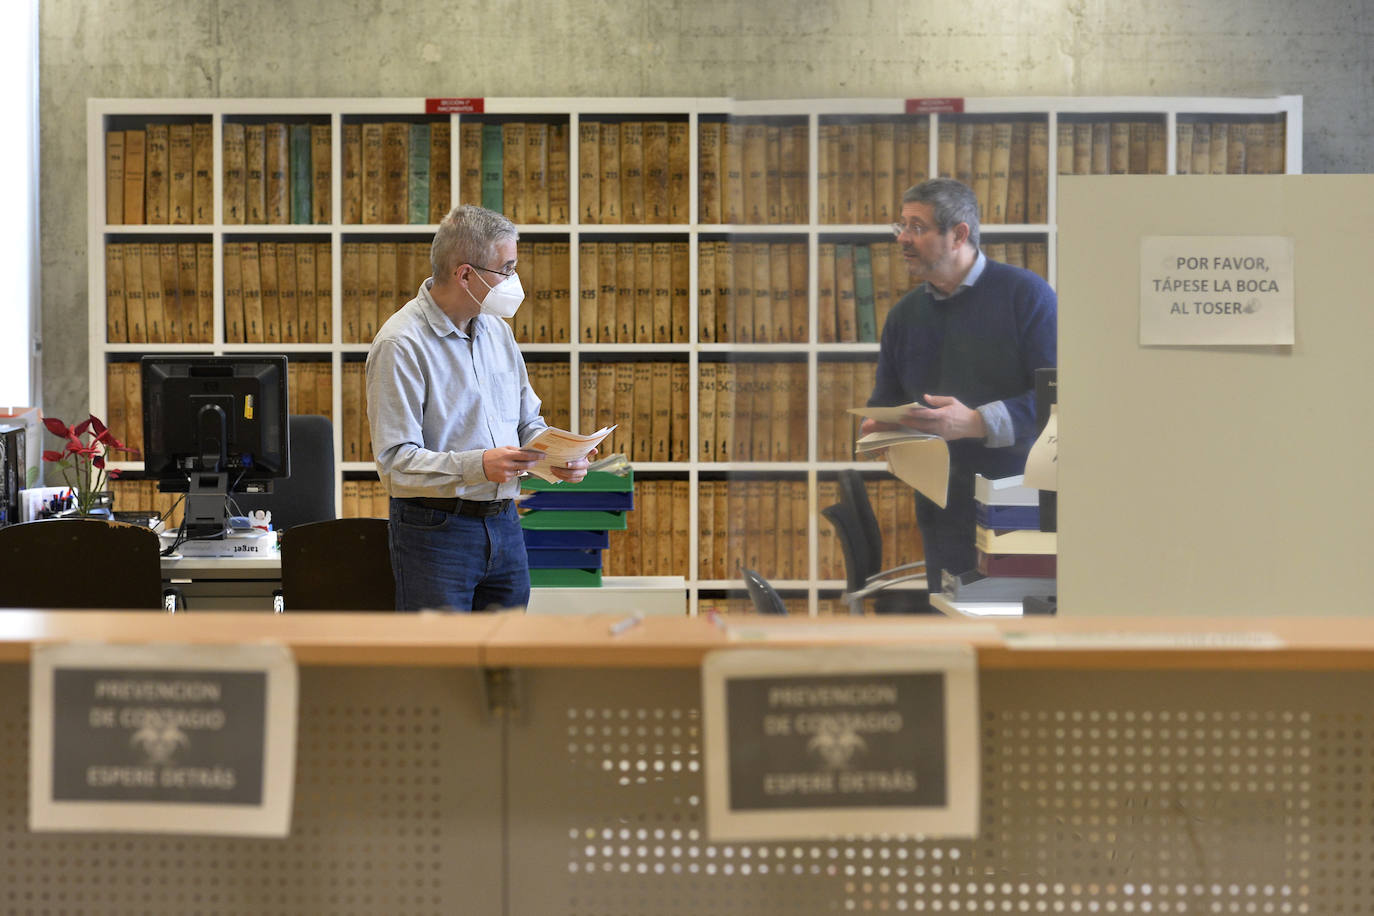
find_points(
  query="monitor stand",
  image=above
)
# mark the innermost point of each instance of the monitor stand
(206, 502)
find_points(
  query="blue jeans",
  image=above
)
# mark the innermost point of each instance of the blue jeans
(454, 562)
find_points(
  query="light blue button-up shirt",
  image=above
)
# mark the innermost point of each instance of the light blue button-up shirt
(438, 396)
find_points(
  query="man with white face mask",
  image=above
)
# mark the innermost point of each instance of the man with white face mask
(450, 403)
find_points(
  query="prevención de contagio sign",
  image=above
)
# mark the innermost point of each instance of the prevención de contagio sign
(806, 743)
(1205, 290)
(162, 738)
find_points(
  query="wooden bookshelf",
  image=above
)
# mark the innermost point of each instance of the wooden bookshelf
(747, 326)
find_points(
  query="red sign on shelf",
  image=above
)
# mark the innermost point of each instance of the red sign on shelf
(454, 106)
(942, 106)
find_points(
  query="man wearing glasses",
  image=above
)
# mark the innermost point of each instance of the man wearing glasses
(966, 342)
(450, 403)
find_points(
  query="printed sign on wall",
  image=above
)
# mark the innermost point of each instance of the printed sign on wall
(1204, 290)
(173, 739)
(816, 742)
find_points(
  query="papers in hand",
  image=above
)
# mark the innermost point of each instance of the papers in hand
(560, 446)
(920, 460)
(1042, 464)
(888, 414)
(886, 438)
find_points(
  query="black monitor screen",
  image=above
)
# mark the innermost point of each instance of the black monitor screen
(215, 414)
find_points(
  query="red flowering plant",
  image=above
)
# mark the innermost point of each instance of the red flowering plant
(82, 458)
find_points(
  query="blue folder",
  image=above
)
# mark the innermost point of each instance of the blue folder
(580, 499)
(1009, 518)
(582, 540)
(558, 558)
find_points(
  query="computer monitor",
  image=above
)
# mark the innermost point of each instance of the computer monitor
(214, 425)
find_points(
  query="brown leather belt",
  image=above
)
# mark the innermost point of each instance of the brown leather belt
(475, 508)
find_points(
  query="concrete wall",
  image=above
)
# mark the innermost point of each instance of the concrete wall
(1320, 49)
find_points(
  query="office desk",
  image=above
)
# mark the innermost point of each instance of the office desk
(1128, 766)
(617, 595)
(224, 583)
(247, 583)
(975, 608)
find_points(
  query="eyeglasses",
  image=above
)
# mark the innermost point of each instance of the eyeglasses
(499, 273)
(916, 229)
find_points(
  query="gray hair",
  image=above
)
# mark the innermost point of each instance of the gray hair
(953, 202)
(468, 235)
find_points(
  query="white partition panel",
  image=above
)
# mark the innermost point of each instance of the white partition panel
(1102, 792)
(397, 810)
(1215, 480)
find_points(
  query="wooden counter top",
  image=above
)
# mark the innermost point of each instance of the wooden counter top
(587, 641)
(316, 639)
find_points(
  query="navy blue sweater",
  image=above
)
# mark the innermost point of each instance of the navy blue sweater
(981, 345)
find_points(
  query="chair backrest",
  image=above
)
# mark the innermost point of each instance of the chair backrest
(853, 492)
(343, 564)
(308, 494)
(860, 561)
(765, 597)
(80, 563)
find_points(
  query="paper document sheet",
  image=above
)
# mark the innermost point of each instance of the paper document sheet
(560, 446)
(1042, 464)
(888, 414)
(923, 465)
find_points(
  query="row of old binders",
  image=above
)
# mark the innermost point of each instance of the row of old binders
(1017, 561)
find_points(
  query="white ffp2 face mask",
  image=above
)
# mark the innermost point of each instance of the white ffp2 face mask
(504, 298)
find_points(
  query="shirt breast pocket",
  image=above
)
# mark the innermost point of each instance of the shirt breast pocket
(505, 392)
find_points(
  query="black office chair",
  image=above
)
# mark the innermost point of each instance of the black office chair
(71, 563)
(339, 565)
(308, 494)
(853, 492)
(864, 577)
(765, 597)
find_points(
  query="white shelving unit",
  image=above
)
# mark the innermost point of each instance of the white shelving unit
(106, 114)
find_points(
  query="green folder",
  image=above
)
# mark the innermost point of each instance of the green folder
(864, 316)
(301, 174)
(594, 482)
(419, 174)
(565, 578)
(573, 520)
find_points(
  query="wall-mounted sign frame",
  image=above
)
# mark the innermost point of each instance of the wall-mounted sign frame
(162, 738)
(1216, 290)
(805, 743)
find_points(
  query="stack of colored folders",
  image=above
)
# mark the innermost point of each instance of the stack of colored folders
(1015, 558)
(566, 526)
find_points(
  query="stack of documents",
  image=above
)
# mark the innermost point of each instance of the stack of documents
(920, 460)
(566, 526)
(1008, 535)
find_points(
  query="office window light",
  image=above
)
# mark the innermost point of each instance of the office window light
(19, 370)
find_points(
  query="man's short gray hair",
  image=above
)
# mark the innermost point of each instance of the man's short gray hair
(952, 201)
(468, 235)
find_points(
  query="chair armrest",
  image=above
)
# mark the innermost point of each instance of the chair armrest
(919, 564)
(875, 587)
(855, 599)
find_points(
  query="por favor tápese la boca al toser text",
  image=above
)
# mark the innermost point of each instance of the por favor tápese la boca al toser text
(1239, 277)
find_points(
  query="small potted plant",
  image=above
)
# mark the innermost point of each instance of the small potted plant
(82, 460)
